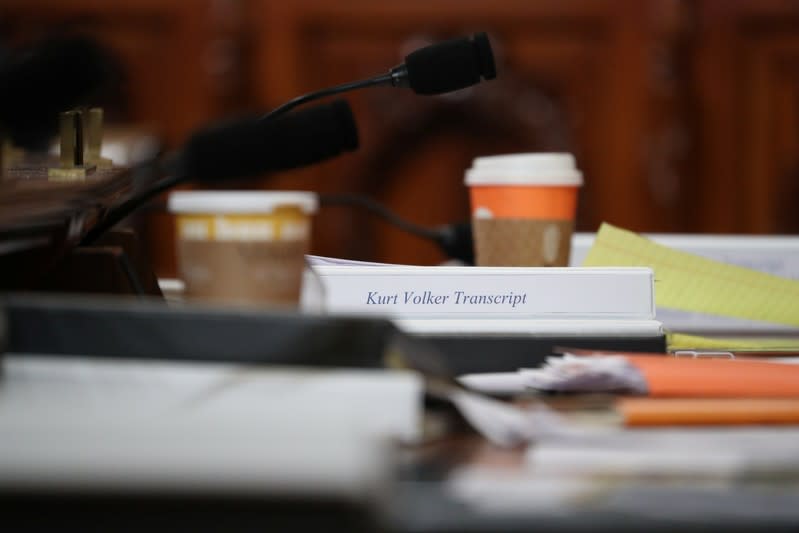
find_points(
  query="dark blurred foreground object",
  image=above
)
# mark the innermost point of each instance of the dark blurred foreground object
(149, 329)
(39, 82)
(118, 327)
(42, 221)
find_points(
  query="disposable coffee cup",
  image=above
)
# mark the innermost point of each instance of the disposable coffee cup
(523, 208)
(243, 247)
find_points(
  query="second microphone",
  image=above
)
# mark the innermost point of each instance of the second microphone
(248, 147)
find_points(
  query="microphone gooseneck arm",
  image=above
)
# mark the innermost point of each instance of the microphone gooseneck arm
(122, 211)
(386, 79)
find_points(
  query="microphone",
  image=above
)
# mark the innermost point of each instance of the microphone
(448, 66)
(243, 148)
(39, 83)
(250, 146)
(237, 149)
(435, 69)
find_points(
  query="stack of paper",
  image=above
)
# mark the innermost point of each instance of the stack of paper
(653, 479)
(651, 375)
(670, 391)
(128, 425)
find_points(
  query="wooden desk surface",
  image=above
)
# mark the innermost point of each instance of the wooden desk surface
(464, 483)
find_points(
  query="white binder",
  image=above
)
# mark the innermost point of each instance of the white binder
(447, 292)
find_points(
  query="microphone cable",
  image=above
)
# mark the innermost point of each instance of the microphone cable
(455, 240)
(322, 93)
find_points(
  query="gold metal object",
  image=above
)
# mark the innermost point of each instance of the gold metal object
(66, 123)
(73, 164)
(93, 126)
(9, 154)
(70, 174)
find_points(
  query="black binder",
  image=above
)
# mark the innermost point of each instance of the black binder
(150, 329)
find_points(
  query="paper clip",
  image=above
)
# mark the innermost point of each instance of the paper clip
(703, 354)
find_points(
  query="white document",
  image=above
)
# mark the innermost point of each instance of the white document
(384, 403)
(671, 475)
(563, 374)
(448, 292)
(189, 426)
(508, 326)
(508, 425)
(727, 453)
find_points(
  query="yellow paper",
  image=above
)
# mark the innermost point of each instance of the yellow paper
(681, 341)
(692, 283)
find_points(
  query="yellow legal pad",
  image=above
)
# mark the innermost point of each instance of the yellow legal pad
(740, 345)
(692, 283)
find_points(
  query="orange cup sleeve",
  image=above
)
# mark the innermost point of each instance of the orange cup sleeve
(551, 203)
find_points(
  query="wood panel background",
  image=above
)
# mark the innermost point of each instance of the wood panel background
(747, 73)
(683, 114)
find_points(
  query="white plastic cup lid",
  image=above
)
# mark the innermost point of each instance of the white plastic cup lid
(240, 202)
(550, 169)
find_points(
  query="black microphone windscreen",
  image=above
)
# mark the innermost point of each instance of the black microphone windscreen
(252, 146)
(450, 65)
(54, 76)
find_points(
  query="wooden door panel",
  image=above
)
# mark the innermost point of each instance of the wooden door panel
(748, 81)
